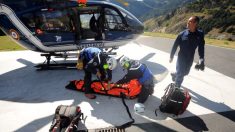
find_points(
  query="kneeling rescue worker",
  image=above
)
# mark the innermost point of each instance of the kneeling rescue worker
(139, 71)
(98, 63)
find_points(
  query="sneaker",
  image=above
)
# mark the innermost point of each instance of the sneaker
(90, 96)
(173, 77)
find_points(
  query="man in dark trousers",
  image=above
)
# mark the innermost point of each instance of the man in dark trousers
(139, 71)
(98, 63)
(188, 40)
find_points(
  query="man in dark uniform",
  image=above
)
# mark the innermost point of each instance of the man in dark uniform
(188, 40)
(87, 54)
(137, 70)
(98, 63)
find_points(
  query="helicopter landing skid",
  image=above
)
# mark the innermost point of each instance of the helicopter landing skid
(47, 65)
(57, 66)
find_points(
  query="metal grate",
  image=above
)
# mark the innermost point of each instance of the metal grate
(113, 129)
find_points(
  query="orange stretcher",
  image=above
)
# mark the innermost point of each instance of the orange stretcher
(130, 90)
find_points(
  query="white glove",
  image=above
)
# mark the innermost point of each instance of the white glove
(200, 61)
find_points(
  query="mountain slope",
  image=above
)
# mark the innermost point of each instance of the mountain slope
(217, 19)
(146, 9)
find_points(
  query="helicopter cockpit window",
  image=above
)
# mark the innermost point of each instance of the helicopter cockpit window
(131, 20)
(54, 21)
(87, 14)
(90, 26)
(85, 20)
(114, 20)
(29, 21)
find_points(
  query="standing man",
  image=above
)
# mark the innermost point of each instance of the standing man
(188, 40)
(98, 63)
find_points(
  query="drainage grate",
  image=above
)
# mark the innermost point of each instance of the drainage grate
(113, 129)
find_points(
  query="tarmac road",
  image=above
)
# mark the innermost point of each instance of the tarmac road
(219, 59)
(29, 97)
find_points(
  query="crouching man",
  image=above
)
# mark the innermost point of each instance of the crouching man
(98, 63)
(139, 71)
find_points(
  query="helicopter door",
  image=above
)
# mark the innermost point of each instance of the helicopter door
(90, 27)
(116, 27)
(55, 27)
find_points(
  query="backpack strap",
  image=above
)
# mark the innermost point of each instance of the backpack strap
(56, 121)
(128, 124)
(166, 91)
(55, 125)
(73, 125)
(164, 96)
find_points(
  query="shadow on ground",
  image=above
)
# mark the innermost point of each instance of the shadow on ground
(26, 85)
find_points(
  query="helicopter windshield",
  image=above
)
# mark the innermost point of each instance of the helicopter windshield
(131, 20)
(114, 20)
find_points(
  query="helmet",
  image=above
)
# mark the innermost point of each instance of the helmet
(124, 62)
(112, 63)
(139, 108)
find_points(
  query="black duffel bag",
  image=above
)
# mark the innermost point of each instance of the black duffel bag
(175, 100)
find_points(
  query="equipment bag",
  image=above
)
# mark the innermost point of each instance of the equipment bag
(66, 119)
(175, 100)
(130, 90)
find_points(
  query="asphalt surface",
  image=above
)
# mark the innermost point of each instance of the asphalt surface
(220, 122)
(29, 104)
(219, 59)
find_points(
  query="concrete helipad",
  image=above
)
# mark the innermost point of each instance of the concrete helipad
(28, 97)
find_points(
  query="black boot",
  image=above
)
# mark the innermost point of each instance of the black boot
(173, 76)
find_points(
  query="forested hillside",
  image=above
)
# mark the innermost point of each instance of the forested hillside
(217, 19)
(146, 9)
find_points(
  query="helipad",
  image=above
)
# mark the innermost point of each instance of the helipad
(28, 97)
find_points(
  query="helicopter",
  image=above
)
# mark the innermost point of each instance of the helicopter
(53, 27)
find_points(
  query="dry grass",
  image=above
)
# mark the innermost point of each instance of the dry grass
(6, 44)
